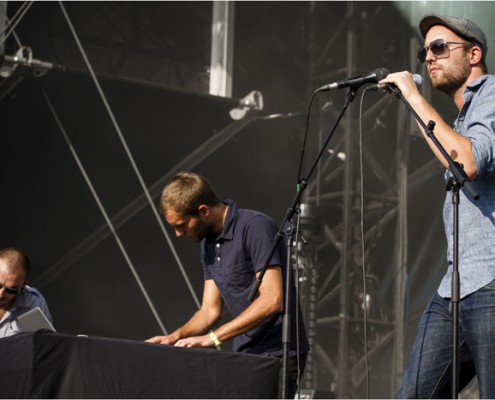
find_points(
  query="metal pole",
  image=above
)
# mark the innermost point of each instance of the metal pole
(403, 130)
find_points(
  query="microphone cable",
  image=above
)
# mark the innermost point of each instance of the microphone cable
(295, 241)
(362, 233)
(361, 172)
(296, 268)
(296, 302)
(306, 129)
(361, 224)
(299, 179)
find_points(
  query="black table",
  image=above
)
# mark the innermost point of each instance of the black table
(55, 365)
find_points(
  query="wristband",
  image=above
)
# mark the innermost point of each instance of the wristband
(214, 340)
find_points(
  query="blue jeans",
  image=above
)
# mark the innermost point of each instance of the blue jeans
(428, 373)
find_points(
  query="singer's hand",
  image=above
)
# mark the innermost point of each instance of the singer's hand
(405, 82)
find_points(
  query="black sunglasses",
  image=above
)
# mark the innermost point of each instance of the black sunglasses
(9, 290)
(439, 48)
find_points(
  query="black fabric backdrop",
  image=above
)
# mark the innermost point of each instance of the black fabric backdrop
(54, 365)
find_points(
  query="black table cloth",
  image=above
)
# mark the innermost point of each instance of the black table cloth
(55, 365)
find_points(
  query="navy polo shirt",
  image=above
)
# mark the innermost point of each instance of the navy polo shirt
(232, 259)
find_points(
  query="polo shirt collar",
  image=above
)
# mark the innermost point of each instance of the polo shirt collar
(229, 224)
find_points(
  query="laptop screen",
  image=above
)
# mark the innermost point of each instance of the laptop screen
(34, 320)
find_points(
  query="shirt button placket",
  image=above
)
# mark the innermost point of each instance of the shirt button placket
(218, 256)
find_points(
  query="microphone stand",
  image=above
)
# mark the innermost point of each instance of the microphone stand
(286, 226)
(459, 178)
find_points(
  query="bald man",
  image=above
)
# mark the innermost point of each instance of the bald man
(16, 297)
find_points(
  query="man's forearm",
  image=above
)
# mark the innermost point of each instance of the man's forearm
(263, 308)
(199, 324)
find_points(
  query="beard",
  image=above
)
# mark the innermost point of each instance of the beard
(452, 78)
(201, 230)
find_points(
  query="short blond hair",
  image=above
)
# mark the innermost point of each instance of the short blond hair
(185, 192)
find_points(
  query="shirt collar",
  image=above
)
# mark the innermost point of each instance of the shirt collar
(20, 300)
(474, 85)
(19, 303)
(229, 223)
(468, 95)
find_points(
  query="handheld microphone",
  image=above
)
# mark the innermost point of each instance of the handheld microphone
(390, 87)
(374, 77)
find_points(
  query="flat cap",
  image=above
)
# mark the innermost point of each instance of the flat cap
(463, 27)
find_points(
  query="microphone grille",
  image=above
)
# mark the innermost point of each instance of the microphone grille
(381, 73)
(418, 80)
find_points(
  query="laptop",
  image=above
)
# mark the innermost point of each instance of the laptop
(34, 320)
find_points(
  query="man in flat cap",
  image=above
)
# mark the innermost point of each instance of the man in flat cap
(454, 52)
